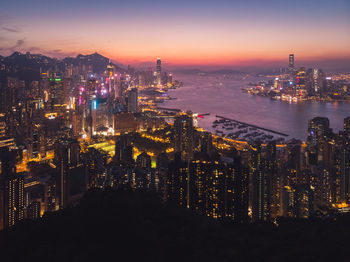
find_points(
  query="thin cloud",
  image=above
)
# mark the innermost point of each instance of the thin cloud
(57, 53)
(18, 46)
(12, 30)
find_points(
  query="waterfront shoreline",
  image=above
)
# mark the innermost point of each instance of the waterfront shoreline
(203, 94)
(289, 98)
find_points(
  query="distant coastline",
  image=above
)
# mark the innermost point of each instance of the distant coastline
(201, 94)
(289, 98)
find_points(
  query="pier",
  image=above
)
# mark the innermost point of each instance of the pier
(169, 109)
(258, 127)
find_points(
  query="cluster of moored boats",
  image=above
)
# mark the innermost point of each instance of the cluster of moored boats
(234, 130)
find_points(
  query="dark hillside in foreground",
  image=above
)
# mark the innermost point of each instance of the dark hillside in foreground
(133, 226)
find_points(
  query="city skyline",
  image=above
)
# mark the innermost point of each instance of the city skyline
(195, 34)
(93, 146)
(185, 131)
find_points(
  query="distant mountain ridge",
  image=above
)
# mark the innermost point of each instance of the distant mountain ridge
(98, 61)
(21, 64)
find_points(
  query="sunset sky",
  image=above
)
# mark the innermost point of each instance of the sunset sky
(197, 32)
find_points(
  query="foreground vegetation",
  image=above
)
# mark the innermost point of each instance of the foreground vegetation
(124, 225)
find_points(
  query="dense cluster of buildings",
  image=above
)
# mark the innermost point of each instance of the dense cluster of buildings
(260, 182)
(300, 84)
(82, 124)
(52, 111)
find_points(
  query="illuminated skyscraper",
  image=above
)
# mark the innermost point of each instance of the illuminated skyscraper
(14, 201)
(347, 125)
(318, 128)
(344, 172)
(159, 72)
(58, 92)
(291, 62)
(67, 156)
(215, 191)
(343, 157)
(293, 165)
(261, 202)
(236, 190)
(184, 136)
(303, 201)
(178, 182)
(11, 190)
(301, 79)
(317, 81)
(271, 170)
(9, 92)
(323, 187)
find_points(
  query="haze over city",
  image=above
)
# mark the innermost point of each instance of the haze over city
(213, 34)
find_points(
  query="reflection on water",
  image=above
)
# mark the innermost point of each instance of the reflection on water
(219, 95)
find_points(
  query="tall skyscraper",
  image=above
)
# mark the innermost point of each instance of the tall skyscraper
(159, 72)
(11, 190)
(132, 102)
(272, 172)
(301, 79)
(184, 136)
(178, 182)
(236, 190)
(67, 156)
(317, 81)
(303, 201)
(293, 164)
(344, 172)
(14, 200)
(261, 181)
(123, 151)
(347, 125)
(291, 62)
(318, 128)
(215, 191)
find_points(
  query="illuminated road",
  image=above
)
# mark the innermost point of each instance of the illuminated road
(22, 167)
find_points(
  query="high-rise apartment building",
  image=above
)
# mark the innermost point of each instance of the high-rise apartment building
(67, 156)
(184, 136)
(132, 102)
(124, 151)
(11, 190)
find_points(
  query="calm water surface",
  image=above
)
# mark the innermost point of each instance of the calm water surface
(220, 95)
